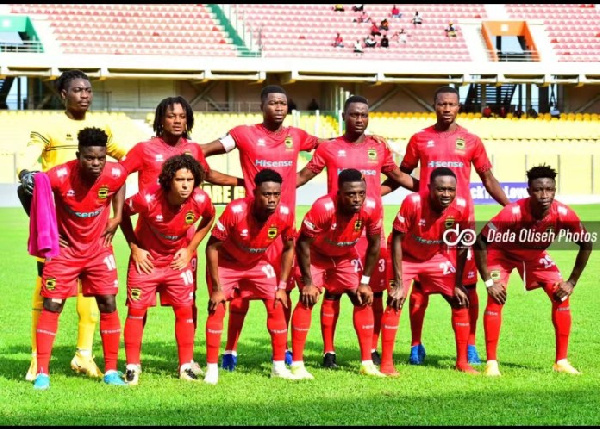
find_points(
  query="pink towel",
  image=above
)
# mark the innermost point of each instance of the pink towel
(43, 229)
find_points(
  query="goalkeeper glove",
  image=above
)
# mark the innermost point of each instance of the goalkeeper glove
(27, 180)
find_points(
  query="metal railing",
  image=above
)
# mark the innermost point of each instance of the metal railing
(525, 56)
(25, 46)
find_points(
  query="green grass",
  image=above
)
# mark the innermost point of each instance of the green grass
(528, 393)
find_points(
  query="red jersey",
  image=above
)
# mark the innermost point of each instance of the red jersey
(336, 234)
(515, 232)
(245, 239)
(162, 228)
(81, 210)
(147, 159)
(260, 148)
(456, 150)
(369, 157)
(423, 227)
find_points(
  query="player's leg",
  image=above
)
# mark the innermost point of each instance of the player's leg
(330, 310)
(277, 328)
(470, 284)
(238, 308)
(83, 361)
(460, 325)
(418, 303)
(362, 318)
(37, 304)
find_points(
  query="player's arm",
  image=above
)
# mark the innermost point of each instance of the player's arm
(493, 187)
(496, 290)
(213, 148)
(364, 294)
(396, 178)
(309, 294)
(114, 149)
(141, 257)
(397, 293)
(183, 256)
(459, 291)
(287, 258)
(31, 160)
(212, 267)
(217, 178)
(113, 223)
(566, 288)
(304, 176)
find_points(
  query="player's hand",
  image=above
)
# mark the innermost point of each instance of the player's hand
(181, 259)
(62, 241)
(143, 260)
(109, 232)
(364, 294)
(497, 292)
(309, 295)
(215, 299)
(397, 296)
(281, 295)
(563, 291)
(461, 296)
(27, 180)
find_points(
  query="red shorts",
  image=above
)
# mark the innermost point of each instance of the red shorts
(273, 255)
(337, 274)
(257, 282)
(175, 287)
(378, 281)
(98, 274)
(469, 277)
(437, 275)
(534, 272)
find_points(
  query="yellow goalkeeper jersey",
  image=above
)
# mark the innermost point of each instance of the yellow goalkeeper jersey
(54, 141)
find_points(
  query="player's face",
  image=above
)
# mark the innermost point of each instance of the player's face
(78, 96)
(175, 121)
(356, 118)
(92, 160)
(275, 108)
(182, 184)
(542, 192)
(267, 197)
(442, 191)
(351, 196)
(446, 108)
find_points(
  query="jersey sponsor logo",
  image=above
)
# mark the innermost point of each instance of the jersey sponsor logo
(159, 158)
(358, 225)
(372, 154)
(456, 164)
(460, 144)
(364, 172)
(51, 283)
(103, 192)
(449, 222)
(85, 214)
(189, 217)
(342, 243)
(272, 232)
(289, 142)
(265, 163)
(136, 294)
(495, 275)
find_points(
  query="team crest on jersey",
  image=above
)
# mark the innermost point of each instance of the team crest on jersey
(272, 232)
(372, 154)
(103, 192)
(460, 144)
(51, 283)
(289, 142)
(136, 294)
(495, 275)
(189, 217)
(449, 222)
(358, 225)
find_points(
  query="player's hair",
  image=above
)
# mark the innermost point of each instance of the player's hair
(267, 175)
(161, 112)
(355, 99)
(270, 89)
(92, 136)
(445, 90)
(66, 77)
(539, 172)
(176, 163)
(349, 175)
(441, 171)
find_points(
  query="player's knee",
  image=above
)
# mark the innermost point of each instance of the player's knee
(54, 305)
(378, 294)
(106, 303)
(331, 297)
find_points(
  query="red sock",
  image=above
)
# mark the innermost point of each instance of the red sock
(330, 310)
(473, 312)
(287, 314)
(363, 325)
(417, 305)
(377, 315)
(110, 332)
(277, 328)
(460, 324)
(238, 308)
(134, 332)
(184, 333)
(300, 325)
(195, 314)
(45, 335)
(389, 328)
(214, 329)
(561, 319)
(492, 320)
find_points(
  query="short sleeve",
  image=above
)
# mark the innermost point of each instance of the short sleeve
(411, 158)
(375, 223)
(223, 225)
(403, 220)
(307, 141)
(499, 223)
(480, 159)
(234, 138)
(136, 204)
(570, 221)
(313, 223)
(134, 159)
(388, 161)
(318, 161)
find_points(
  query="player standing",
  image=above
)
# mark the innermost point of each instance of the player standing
(328, 258)
(237, 265)
(418, 252)
(83, 190)
(447, 144)
(542, 219)
(55, 143)
(161, 256)
(372, 158)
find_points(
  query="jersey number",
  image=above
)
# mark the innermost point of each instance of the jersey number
(110, 263)
(447, 268)
(357, 265)
(188, 277)
(547, 262)
(269, 271)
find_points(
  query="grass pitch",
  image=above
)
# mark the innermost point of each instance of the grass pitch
(528, 393)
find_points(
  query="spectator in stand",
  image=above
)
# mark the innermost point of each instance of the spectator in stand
(338, 8)
(554, 112)
(502, 112)
(487, 111)
(450, 30)
(313, 105)
(532, 113)
(370, 41)
(375, 29)
(396, 12)
(400, 36)
(364, 17)
(339, 41)
(384, 25)
(358, 48)
(384, 43)
(357, 7)
(417, 19)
